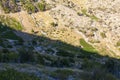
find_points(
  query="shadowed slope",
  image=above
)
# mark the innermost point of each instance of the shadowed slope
(54, 53)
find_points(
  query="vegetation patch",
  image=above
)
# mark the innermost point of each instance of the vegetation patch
(65, 53)
(118, 43)
(103, 35)
(7, 33)
(11, 22)
(11, 74)
(31, 6)
(86, 46)
(62, 74)
(93, 17)
(41, 6)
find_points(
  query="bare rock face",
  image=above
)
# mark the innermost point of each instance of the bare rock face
(98, 20)
(67, 16)
(108, 11)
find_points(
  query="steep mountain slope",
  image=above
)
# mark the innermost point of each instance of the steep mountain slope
(49, 59)
(60, 39)
(96, 21)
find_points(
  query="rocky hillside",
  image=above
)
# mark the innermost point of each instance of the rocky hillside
(60, 39)
(69, 20)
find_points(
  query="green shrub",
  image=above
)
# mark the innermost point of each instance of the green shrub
(103, 35)
(65, 53)
(40, 59)
(54, 24)
(8, 57)
(97, 75)
(26, 56)
(11, 22)
(118, 43)
(30, 7)
(87, 65)
(41, 6)
(62, 74)
(11, 74)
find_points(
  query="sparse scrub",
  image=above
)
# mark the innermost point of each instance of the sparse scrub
(103, 35)
(118, 43)
(54, 24)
